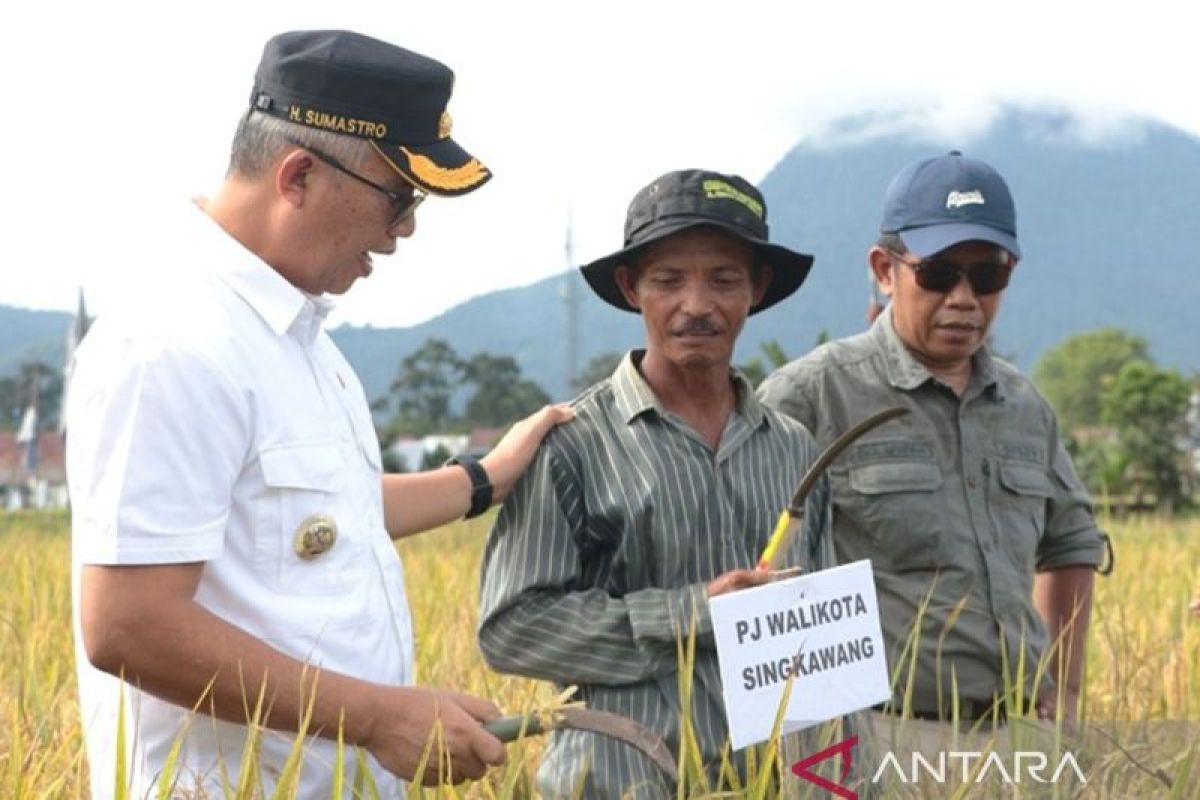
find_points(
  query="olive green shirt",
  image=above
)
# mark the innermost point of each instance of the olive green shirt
(598, 562)
(963, 499)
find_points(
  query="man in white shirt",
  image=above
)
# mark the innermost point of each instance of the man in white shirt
(232, 530)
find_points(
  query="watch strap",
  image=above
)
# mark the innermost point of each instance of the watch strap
(481, 484)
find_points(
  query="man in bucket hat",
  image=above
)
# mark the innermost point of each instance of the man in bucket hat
(961, 503)
(661, 494)
(232, 531)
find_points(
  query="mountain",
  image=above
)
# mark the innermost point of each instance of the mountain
(1105, 223)
(1105, 229)
(528, 323)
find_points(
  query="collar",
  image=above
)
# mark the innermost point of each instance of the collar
(984, 375)
(633, 396)
(905, 372)
(284, 308)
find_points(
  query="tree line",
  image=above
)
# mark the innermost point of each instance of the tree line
(434, 382)
(1124, 419)
(433, 379)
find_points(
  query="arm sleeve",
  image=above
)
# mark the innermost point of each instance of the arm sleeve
(155, 443)
(538, 615)
(1072, 537)
(781, 390)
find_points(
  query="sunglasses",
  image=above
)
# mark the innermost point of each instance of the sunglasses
(403, 203)
(939, 274)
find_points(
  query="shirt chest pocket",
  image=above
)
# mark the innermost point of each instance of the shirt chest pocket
(1020, 510)
(307, 542)
(894, 506)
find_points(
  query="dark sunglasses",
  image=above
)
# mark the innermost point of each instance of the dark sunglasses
(403, 203)
(938, 274)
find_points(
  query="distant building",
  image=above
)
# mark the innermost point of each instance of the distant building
(481, 440)
(409, 452)
(44, 485)
(33, 471)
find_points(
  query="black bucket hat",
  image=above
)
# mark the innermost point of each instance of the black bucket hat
(685, 199)
(345, 82)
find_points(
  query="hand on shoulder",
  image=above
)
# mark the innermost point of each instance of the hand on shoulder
(513, 453)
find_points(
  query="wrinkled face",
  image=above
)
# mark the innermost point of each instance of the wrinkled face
(694, 290)
(352, 220)
(942, 328)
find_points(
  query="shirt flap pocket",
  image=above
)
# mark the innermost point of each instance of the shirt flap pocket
(311, 465)
(1026, 479)
(895, 476)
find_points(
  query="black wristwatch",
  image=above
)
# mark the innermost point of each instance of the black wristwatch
(481, 485)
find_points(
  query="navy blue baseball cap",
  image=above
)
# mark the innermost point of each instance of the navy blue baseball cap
(940, 202)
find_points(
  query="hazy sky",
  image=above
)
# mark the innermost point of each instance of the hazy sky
(114, 110)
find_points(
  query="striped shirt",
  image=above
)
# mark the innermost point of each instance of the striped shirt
(598, 561)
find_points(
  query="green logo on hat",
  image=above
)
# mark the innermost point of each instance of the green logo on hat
(714, 189)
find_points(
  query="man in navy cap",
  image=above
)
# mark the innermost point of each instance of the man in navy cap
(980, 533)
(232, 529)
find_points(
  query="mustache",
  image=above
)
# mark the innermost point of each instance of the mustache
(959, 323)
(696, 326)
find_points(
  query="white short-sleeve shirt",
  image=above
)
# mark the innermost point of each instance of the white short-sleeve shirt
(210, 420)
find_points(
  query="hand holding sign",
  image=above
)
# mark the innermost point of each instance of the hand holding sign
(820, 631)
(735, 579)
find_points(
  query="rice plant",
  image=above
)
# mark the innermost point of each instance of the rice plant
(1142, 675)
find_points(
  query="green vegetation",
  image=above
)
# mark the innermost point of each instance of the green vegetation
(1075, 374)
(423, 392)
(1122, 417)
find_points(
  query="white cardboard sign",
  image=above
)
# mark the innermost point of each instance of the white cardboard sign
(821, 628)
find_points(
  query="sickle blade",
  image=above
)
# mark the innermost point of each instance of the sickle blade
(836, 447)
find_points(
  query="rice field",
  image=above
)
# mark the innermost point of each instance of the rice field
(1143, 662)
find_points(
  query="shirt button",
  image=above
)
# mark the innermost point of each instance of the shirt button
(971, 482)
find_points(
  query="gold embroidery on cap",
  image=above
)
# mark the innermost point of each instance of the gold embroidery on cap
(714, 189)
(365, 128)
(426, 170)
(317, 534)
(444, 125)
